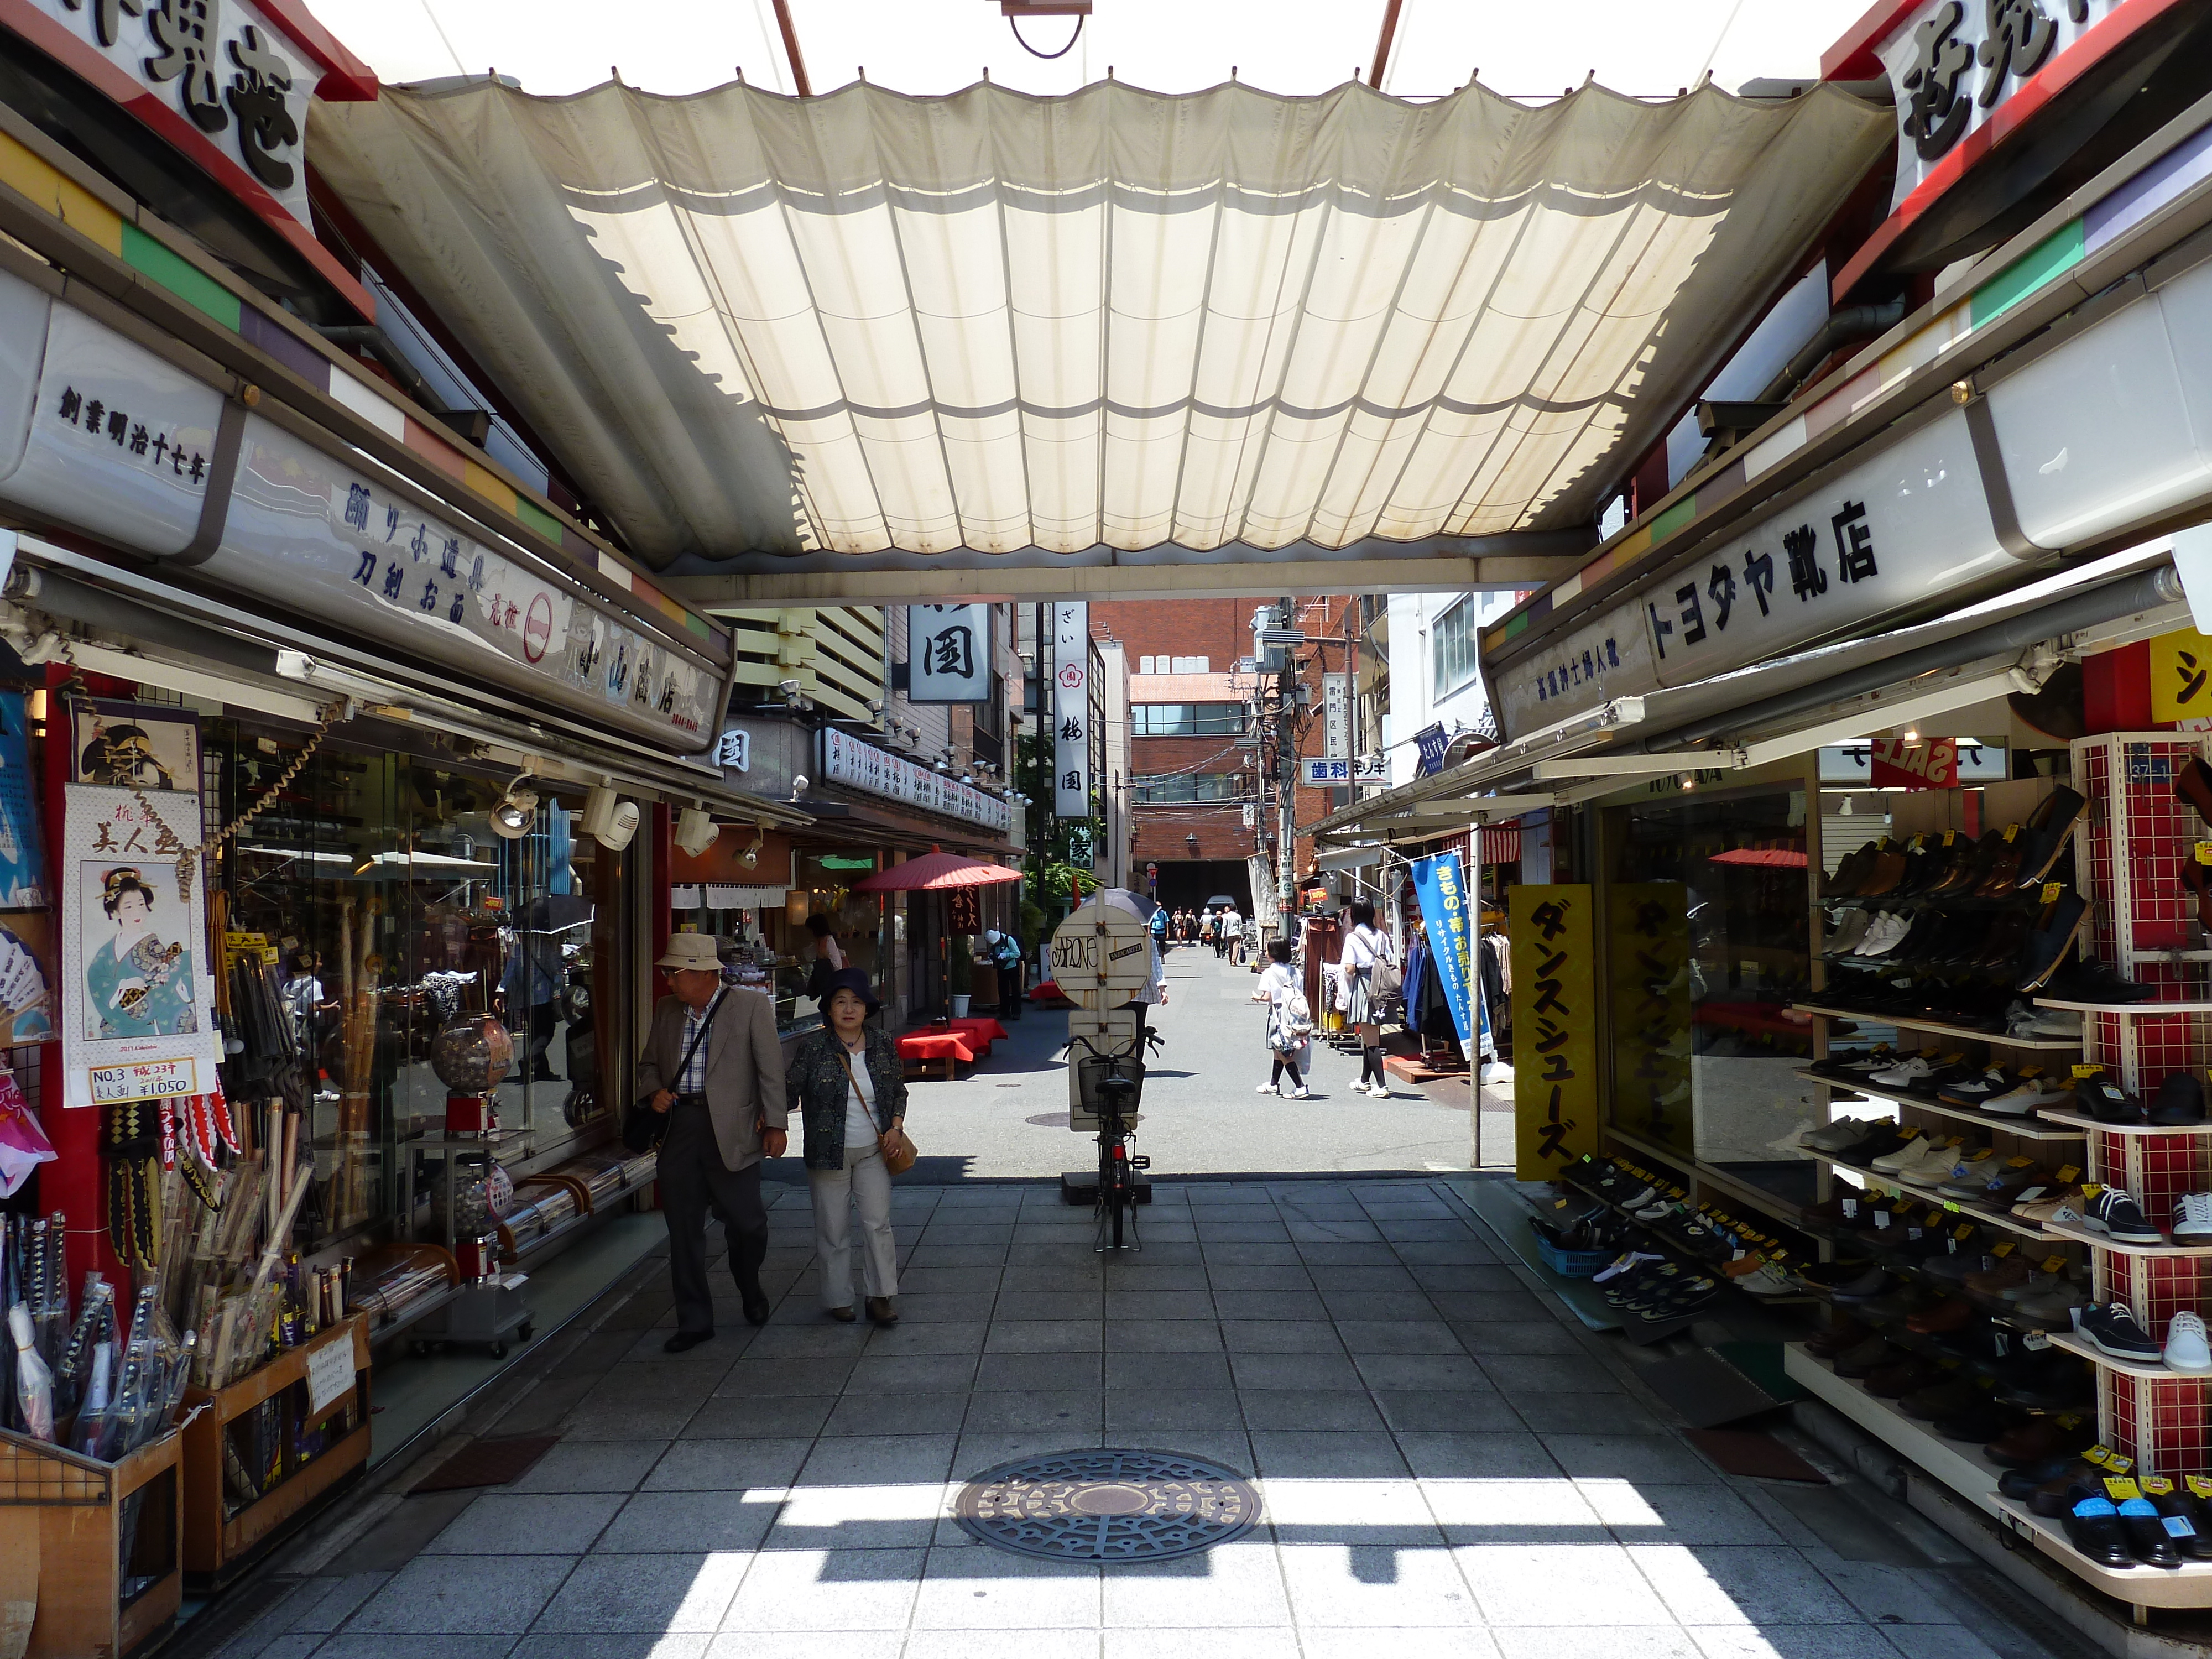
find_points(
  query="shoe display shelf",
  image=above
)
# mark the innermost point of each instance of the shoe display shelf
(1964, 1033)
(2021, 1129)
(2140, 1587)
(1965, 1468)
(1998, 1218)
(1649, 1238)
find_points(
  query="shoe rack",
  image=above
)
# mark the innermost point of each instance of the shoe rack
(2129, 849)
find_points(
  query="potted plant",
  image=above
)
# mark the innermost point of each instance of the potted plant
(962, 978)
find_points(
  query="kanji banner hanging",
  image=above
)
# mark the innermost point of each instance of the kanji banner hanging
(1440, 888)
(1070, 710)
(1554, 1027)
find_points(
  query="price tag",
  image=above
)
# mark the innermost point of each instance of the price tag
(1917, 843)
(2029, 1196)
(2204, 851)
(1880, 1220)
(2081, 1071)
(2068, 1175)
(1851, 1209)
(2117, 1464)
(2200, 1485)
(2018, 1162)
(2100, 1455)
(2052, 890)
(2119, 1488)
(2012, 832)
(2035, 1342)
(2001, 1250)
(2090, 1189)
(1558, 1203)
(2156, 1485)
(2053, 1264)
(1950, 835)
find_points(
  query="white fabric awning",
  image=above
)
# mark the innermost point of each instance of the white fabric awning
(1001, 323)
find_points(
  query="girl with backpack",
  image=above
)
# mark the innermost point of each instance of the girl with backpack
(1289, 1021)
(1369, 979)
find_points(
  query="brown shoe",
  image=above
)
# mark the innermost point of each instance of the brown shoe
(2012, 1270)
(1953, 1314)
(2195, 786)
(880, 1311)
(842, 1316)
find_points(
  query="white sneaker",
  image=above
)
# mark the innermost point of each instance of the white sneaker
(2186, 1350)
(1304, 1093)
(1904, 1074)
(1266, 1088)
(2192, 1218)
(1911, 1152)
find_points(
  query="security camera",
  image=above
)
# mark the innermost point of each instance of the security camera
(799, 786)
(875, 705)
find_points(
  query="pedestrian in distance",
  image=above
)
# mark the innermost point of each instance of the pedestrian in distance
(1289, 1021)
(1369, 958)
(848, 1086)
(1232, 933)
(1206, 935)
(712, 1095)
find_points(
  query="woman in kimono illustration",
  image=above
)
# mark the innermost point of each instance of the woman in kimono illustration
(138, 986)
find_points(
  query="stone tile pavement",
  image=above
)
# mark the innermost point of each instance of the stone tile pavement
(1449, 1465)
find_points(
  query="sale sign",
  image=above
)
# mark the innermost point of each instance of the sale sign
(1915, 763)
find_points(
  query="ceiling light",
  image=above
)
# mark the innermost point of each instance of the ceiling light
(696, 830)
(608, 819)
(511, 818)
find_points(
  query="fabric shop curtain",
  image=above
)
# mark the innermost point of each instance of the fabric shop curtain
(993, 321)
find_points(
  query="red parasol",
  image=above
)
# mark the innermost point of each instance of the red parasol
(935, 872)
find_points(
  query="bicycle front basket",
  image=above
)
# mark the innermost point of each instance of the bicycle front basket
(1092, 1070)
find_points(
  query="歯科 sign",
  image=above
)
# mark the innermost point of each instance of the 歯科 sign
(1070, 710)
(948, 654)
(1555, 1116)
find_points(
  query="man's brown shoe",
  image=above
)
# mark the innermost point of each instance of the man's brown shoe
(842, 1316)
(880, 1311)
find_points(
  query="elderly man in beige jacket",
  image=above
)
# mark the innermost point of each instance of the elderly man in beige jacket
(713, 1068)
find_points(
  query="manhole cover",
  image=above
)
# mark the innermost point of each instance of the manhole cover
(1111, 1506)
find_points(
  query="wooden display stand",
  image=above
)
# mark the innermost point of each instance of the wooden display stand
(60, 1547)
(218, 1545)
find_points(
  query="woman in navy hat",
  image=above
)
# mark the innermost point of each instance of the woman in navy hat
(847, 1082)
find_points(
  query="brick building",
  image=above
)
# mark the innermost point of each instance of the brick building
(1195, 770)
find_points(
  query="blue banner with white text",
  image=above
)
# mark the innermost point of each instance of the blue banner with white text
(1442, 892)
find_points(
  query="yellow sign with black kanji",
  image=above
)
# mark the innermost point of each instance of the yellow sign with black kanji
(1554, 946)
(2181, 676)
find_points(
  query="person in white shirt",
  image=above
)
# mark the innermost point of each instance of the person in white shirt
(1363, 946)
(1290, 1023)
(1232, 931)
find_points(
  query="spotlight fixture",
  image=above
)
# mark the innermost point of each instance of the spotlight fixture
(966, 777)
(943, 765)
(751, 857)
(512, 817)
(696, 830)
(608, 819)
(798, 783)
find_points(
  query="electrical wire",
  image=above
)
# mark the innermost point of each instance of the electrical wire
(1015, 24)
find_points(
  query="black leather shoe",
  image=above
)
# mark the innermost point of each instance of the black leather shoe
(2092, 1527)
(684, 1342)
(2145, 1529)
(2093, 983)
(2048, 828)
(2055, 928)
(2179, 1100)
(756, 1310)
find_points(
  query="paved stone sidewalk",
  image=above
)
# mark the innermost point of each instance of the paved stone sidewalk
(1448, 1467)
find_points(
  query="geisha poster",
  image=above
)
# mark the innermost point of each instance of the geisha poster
(137, 1006)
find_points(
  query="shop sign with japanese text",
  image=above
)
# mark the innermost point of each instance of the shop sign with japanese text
(1555, 1112)
(1336, 715)
(2181, 677)
(1902, 526)
(1648, 971)
(1318, 773)
(1954, 64)
(846, 759)
(218, 63)
(1070, 710)
(948, 653)
(335, 543)
(1440, 888)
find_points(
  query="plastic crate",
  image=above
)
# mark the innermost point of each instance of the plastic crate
(1572, 1264)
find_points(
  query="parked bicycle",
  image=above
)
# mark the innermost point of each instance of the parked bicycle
(1111, 1083)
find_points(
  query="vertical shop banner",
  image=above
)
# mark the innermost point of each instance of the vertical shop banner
(137, 1003)
(1336, 716)
(1647, 963)
(23, 848)
(1070, 710)
(948, 653)
(1440, 888)
(1555, 1027)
